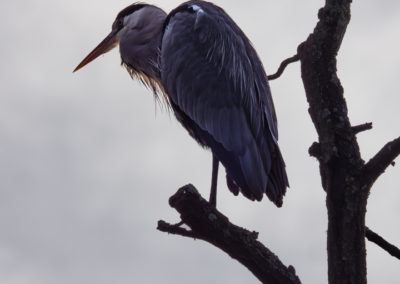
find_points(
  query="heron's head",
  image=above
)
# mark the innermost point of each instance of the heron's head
(135, 29)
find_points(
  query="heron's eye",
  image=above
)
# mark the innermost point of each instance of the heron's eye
(120, 23)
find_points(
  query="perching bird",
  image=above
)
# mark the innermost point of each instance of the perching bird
(205, 67)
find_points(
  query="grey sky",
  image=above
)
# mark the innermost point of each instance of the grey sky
(87, 162)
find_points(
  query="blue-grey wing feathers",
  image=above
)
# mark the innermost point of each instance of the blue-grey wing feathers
(219, 91)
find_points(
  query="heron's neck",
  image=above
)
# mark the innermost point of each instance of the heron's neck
(140, 47)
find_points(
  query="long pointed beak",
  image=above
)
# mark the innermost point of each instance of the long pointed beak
(106, 45)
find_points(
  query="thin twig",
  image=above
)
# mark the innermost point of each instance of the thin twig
(381, 242)
(175, 230)
(362, 127)
(283, 66)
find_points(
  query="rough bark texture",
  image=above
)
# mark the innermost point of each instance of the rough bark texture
(338, 153)
(208, 224)
(345, 178)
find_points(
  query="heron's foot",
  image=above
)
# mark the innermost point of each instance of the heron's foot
(213, 199)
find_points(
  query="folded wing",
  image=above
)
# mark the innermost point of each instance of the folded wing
(219, 91)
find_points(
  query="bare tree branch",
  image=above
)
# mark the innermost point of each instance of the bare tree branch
(208, 224)
(283, 66)
(378, 164)
(175, 230)
(362, 127)
(381, 242)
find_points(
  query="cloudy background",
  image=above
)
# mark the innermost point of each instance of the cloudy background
(87, 162)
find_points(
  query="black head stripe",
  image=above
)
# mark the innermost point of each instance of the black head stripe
(130, 9)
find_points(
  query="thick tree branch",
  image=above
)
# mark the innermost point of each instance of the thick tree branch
(208, 224)
(283, 66)
(378, 164)
(381, 242)
(337, 149)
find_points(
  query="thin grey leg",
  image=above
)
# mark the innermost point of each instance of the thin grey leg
(214, 179)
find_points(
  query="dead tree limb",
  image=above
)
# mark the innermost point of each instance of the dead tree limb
(208, 224)
(283, 66)
(362, 127)
(378, 164)
(338, 151)
(382, 243)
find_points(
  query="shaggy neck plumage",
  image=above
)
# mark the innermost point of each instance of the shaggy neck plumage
(140, 46)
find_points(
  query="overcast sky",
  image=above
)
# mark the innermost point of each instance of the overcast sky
(87, 162)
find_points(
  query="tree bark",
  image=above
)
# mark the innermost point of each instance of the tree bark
(337, 150)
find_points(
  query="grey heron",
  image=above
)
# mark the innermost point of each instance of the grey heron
(208, 72)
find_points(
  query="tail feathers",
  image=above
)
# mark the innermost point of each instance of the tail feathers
(233, 187)
(277, 180)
